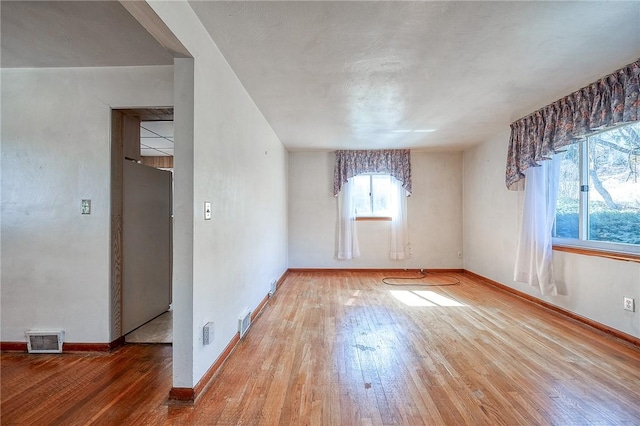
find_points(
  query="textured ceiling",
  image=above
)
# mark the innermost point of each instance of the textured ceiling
(358, 75)
(75, 34)
(361, 74)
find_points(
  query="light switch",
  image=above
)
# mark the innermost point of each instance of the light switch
(86, 206)
(207, 210)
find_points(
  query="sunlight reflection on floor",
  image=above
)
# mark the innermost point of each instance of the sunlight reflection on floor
(423, 298)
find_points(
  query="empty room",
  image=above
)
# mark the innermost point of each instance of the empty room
(320, 212)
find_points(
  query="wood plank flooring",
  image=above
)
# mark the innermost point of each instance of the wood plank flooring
(342, 348)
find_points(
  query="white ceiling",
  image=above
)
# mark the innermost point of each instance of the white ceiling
(75, 34)
(358, 75)
(350, 74)
(156, 138)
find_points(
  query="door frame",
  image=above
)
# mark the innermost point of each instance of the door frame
(118, 129)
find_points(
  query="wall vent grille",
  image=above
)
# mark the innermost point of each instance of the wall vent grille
(244, 322)
(45, 341)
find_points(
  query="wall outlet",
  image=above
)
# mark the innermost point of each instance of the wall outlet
(629, 304)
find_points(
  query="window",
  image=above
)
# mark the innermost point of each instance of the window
(599, 191)
(371, 195)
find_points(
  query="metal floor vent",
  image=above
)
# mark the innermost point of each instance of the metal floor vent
(45, 341)
(244, 322)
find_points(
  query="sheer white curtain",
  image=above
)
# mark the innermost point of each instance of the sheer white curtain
(347, 234)
(534, 258)
(399, 229)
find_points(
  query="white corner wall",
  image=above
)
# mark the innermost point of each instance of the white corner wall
(240, 166)
(56, 126)
(588, 286)
(434, 215)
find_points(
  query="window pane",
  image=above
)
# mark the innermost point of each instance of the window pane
(568, 205)
(614, 185)
(361, 195)
(381, 188)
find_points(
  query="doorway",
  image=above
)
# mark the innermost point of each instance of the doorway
(141, 224)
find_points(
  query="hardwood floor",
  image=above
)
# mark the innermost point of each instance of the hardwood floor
(342, 348)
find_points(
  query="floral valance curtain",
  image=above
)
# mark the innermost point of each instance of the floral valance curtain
(612, 100)
(396, 162)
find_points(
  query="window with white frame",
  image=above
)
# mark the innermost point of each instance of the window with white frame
(371, 195)
(599, 191)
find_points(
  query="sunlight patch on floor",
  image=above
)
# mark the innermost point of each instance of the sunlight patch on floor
(352, 300)
(438, 299)
(423, 298)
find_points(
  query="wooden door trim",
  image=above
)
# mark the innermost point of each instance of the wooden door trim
(117, 196)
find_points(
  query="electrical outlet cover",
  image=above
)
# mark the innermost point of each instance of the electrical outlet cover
(629, 304)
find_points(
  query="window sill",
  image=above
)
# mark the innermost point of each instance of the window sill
(373, 219)
(629, 257)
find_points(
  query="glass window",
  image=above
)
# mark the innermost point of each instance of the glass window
(371, 195)
(568, 204)
(599, 188)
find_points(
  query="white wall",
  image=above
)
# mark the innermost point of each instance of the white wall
(589, 286)
(434, 215)
(56, 126)
(240, 166)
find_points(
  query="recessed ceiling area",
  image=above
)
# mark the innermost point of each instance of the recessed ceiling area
(156, 139)
(353, 75)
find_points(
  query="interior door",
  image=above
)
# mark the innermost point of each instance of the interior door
(146, 244)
